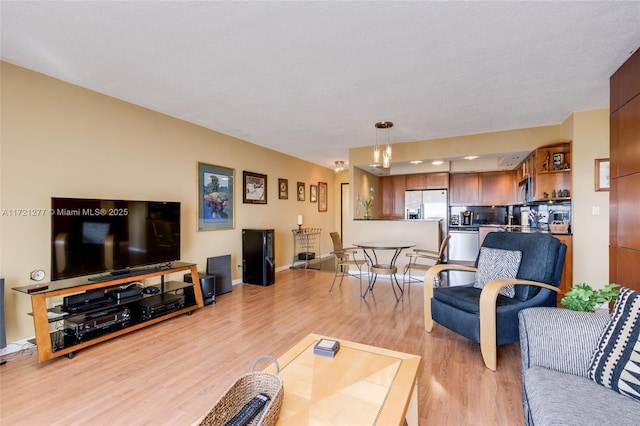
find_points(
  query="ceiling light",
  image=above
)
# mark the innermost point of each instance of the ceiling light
(470, 157)
(386, 154)
(339, 166)
(437, 162)
(415, 162)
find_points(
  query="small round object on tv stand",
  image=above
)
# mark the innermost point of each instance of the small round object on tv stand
(37, 275)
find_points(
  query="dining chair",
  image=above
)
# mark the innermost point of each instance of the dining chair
(345, 258)
(418, 255)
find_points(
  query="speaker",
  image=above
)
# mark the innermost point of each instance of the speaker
(3, 336)
(220, 267)
(207, 285)
(258, 263)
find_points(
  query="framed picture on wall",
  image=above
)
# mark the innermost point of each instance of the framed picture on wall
(313, 193)
(215, 197)
(283, 189)
(300, 191)
(322, 196)
(255, 188)
(602, 174)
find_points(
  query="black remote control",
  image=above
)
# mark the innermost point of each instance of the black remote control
(250, 409)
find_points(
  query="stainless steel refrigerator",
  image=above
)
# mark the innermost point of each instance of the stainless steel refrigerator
(427, 205)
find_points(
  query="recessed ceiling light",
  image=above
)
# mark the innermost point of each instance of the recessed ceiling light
(416, 162)
(470, 157)
(437, 162)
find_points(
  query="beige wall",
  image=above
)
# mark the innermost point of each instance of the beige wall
(590, 134)
(61, 140)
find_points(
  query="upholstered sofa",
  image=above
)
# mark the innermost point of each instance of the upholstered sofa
(557, 346)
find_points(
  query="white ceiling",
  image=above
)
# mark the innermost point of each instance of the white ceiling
(310, 79)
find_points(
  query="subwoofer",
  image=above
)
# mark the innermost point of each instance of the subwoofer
(207, 285)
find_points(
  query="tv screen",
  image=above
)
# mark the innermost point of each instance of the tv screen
(91, 236)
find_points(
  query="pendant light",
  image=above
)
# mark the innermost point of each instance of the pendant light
(386, 154)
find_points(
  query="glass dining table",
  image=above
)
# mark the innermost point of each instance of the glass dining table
(371, 249)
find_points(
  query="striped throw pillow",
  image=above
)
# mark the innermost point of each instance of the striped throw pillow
(615, 363)
(497, 263)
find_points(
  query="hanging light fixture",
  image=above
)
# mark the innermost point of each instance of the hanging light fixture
(339, 166)
(386, 154)
(376, 152)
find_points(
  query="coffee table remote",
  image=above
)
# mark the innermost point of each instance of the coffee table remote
(250, 409)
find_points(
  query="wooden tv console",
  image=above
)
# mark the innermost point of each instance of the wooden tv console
(56, 343)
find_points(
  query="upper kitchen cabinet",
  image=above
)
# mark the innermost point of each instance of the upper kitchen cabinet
(392, 190)
(464, 189)
(422, 181)
(482, 189)
(553, 172)
(497, 188)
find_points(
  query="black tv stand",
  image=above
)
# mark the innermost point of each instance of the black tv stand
(125, 271)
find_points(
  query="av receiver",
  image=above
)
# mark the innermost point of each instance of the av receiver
(89, 325)
(160, 304)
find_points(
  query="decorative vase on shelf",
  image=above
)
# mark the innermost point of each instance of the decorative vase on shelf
(366, 203)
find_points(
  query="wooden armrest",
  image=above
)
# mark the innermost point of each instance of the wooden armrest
(488, 298)
(341, 252)
(429, 276)
(425, 256)
(436, 252)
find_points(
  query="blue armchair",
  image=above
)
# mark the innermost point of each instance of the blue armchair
(486, 315)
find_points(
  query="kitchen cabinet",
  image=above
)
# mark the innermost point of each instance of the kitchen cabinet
(482, 189)
(416, 182)
(566, 282)
(464, 189)
(392, 190)
(422, 181)
(553, 172)
(497, 188)
(437, 180)
(527, 168)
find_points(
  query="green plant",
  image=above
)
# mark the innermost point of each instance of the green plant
(366, 203)
(582, 297)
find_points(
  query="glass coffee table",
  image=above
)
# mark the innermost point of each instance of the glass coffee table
(361, 385)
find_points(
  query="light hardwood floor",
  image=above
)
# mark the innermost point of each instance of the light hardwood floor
(172, 373)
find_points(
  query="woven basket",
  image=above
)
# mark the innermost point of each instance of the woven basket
(242, 391)
(558, 227)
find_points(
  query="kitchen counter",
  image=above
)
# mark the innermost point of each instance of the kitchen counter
(399, 220)
(425, 234)
(520, 228)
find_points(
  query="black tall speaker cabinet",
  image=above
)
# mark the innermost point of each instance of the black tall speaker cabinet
(258, 262)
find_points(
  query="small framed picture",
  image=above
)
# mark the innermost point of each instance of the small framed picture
(300, 191)
(255, 188)
(283, 189)
(313, 193)
(602, 174)
(322, 196)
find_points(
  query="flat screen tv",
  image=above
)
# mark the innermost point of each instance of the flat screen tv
(92, 236)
